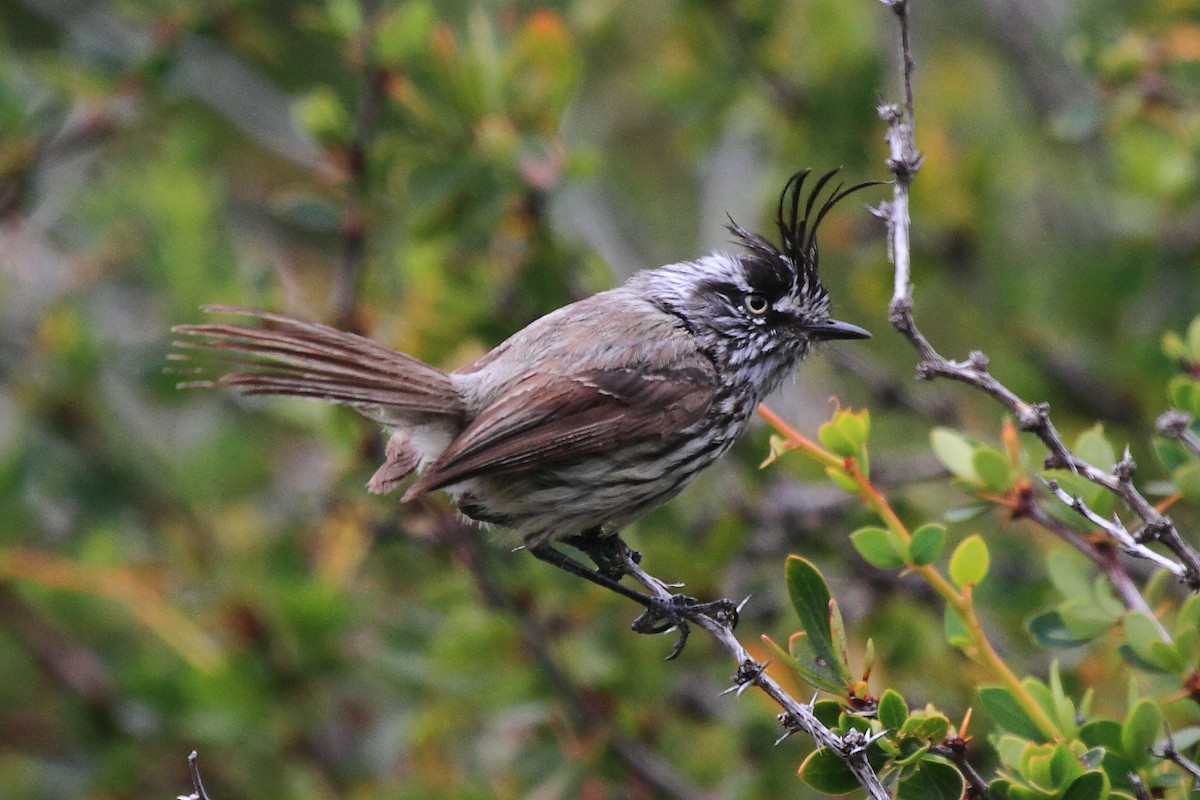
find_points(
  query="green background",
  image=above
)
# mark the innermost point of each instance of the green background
(183, 570)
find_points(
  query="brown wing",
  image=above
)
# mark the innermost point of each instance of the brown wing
(545, 417)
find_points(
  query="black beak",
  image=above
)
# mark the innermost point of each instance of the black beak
(832, 329)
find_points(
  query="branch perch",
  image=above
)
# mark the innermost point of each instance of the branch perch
(903, 162)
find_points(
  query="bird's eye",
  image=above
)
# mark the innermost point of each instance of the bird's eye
(756, 304)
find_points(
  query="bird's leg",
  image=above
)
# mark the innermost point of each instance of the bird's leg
(608, 553)
(601, 576)
(614, 559)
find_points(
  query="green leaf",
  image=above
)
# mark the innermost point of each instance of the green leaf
(1050, 631)
(323, 115)
(1193, 338)
(992, 468)
(854, 426)
(1105, 734)
(828, 712)
(1133, 659)
(956, 632)
(969, 563)
(967, 513)
(835, 441)
(1092, 758)
(1185, 394)
(1004, 709)
(1175, 348)
(1166, 655)
(1169, 453)
(1187, 479)
(824, 771)
(927, 543)
(955, 452)
(1063, 707)
(1139, 731)
(1087, 618)
(1093, 447)
(779, 652)
(1092, 785)
(927, 725)
(810, 597)
(403, 32)
(842, 480)
(1188, 617)
(1071, 573)
(1064, 766)
(933, 780)
(1141, 631)
(879, 547)
(813, 666)
(892, 710)
(1011, 749)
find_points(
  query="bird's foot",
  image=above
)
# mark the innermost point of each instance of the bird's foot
(664, 613)
(609, 553)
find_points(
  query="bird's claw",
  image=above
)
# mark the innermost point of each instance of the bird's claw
(676, 611)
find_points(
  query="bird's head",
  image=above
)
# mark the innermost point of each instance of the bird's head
(763, 309)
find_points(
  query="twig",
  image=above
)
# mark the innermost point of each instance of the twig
(653, 771)
(904, 160)
(1177, 425)
(354, 224)
(796, 716)
(1115, 529)
(1170, 753)
(1139, 788)
(198, 792)
(956, 751)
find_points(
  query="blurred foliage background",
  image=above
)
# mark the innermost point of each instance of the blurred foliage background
(183, 570)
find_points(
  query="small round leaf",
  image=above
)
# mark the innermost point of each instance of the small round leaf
(969, 563)
(878, 547)
(927, 543)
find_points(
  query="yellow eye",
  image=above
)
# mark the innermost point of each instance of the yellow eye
(756, 304)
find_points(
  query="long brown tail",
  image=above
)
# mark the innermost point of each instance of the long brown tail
(284, 356)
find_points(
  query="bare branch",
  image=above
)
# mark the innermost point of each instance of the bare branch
(1177, 425)
(1170, 753)
(1117, 530)
(904, 160)
(796, 716)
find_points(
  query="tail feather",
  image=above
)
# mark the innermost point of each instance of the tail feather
(285, 356)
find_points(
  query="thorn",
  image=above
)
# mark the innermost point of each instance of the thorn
(874, 737)
(741, 605)
(786, 735)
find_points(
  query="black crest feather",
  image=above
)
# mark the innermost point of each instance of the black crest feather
(797, 230)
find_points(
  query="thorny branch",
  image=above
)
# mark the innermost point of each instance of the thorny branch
(1177, 425)
(904, 160)
(1170, 753)
(796, 716)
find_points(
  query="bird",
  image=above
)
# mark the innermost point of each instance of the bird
(587, 418)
